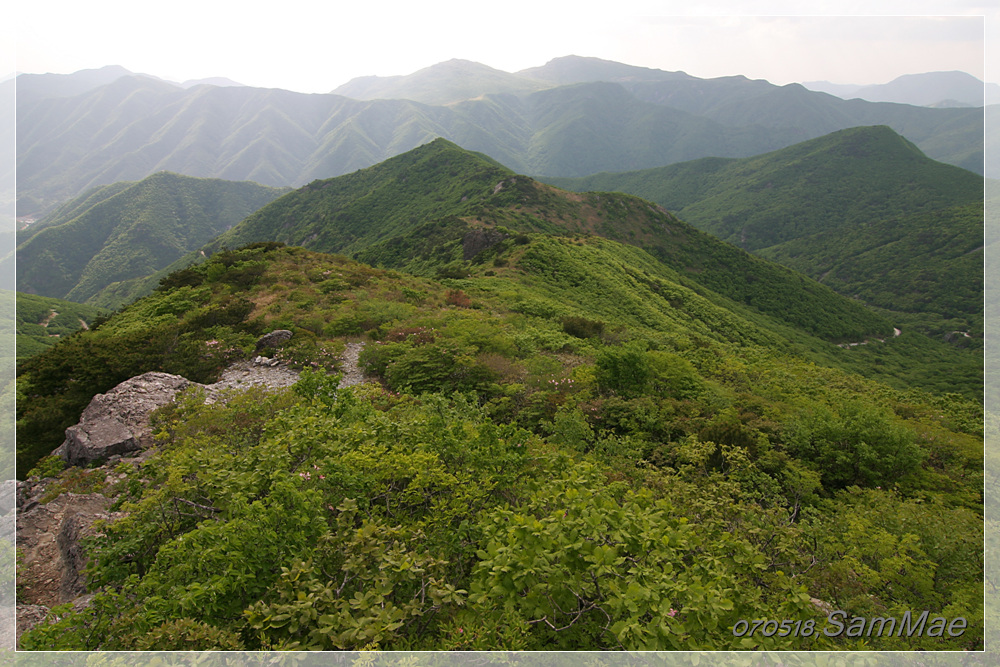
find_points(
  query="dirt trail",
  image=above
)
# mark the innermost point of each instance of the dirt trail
(847, 346)
(352, 373)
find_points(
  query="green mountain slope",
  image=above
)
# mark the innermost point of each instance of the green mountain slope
(130, 230)
(43, 321)
(919, 263)
(802, 114)
(440, 211)
(862, 210)
(508, 441)
(444, 193)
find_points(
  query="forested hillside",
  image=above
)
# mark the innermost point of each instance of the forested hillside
(861, 210)
(128, 230)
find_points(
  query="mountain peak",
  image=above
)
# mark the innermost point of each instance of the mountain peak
(581, 69)
(443, 83)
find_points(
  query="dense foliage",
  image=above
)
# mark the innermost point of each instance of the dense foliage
(544, 463)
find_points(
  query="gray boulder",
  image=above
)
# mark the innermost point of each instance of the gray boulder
(273, 339)
(118, 422)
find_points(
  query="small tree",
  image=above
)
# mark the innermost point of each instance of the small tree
(623, 370)
(861, 446)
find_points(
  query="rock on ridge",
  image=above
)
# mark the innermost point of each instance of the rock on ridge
(50, 536)
(118, 422)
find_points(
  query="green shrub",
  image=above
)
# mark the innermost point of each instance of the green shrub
(47, 466)
(581, 327)
(623, 370)
(184, 634)
(862, 445)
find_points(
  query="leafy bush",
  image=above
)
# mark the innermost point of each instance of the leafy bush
(862, 445)
(184, 634)
(584, 564)
(623, 369)
(47, 466)
(581, 327)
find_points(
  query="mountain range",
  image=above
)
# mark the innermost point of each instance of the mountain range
(573, 117)
(932, 89)
(862, 210)
(908, 229)
(436, 403)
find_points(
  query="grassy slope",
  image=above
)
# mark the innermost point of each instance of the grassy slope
(714, 431)
(862, 210)
(235, 297)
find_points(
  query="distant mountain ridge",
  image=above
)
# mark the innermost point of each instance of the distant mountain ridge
(133, 126)
(405, 212)
(68, 85)
(445, 83)
(926, 89)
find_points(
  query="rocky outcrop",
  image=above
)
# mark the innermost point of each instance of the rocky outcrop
(477, 240)
(118, 422)
(49, 537)
(246, 374)
(273, 339)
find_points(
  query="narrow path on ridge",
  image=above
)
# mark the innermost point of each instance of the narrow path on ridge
(352, 373)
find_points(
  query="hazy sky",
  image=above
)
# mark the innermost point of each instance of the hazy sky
(313, 46)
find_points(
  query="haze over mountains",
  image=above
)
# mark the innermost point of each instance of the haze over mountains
(932, 89)
(572, 117)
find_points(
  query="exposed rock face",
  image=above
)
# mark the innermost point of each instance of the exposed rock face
(273, 339)
(478, 240)
(28, 616)
(118, 422)
(49, 536)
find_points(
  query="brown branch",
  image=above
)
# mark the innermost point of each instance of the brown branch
(201, 507)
